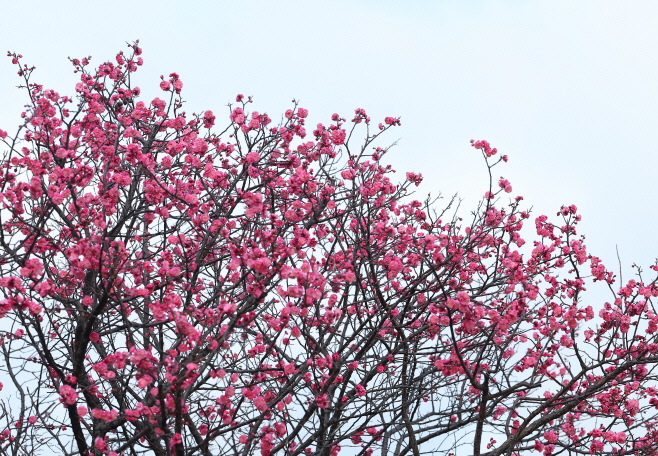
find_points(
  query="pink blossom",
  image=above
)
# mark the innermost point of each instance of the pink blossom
(68, 395)
(550, 436)
(289, 369)
(260, 403)
(322, 401)
(105, 415)
(208, 119)
(100, 444)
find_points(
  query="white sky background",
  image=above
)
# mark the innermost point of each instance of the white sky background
(567, 89)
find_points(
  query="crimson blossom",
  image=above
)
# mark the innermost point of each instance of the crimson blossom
(172, 289)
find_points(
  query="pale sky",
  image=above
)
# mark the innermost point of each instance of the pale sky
(567, 89)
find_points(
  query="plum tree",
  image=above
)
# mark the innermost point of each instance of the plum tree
(172, 288)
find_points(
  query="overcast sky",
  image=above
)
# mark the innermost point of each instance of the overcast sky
(567, 89)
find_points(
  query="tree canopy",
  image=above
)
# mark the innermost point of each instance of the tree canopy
(170, 287)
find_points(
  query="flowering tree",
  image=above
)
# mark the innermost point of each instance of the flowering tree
(172, 289)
